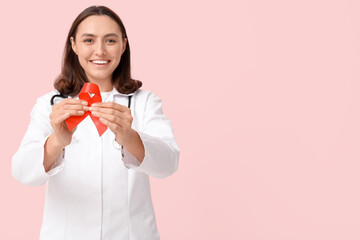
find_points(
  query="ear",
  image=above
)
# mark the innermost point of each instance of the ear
(73, 45)
(124, 45)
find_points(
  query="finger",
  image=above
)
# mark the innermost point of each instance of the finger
(110, 111)
(78, 107)
(56, 114)
(58, 110)
(70, 101)
(61, 119)
(109, 117)
(58, 120)
(113, 105)
(122, 122)
(112, 126)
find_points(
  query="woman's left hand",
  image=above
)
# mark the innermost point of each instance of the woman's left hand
(117, 118)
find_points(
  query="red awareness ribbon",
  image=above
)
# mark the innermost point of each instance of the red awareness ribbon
(93, 89)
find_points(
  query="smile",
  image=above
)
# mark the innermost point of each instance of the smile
(100, 62)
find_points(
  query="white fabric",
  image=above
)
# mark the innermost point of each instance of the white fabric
(105, 95)
(90, 194)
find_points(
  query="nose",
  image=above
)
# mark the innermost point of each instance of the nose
(100, 48)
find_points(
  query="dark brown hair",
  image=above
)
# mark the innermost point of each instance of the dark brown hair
(73, 77)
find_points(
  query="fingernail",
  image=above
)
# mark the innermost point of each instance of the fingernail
(80, 112)
(91, 108)
(94, 104)
(84, 103)
(86, 108)
(96, 114)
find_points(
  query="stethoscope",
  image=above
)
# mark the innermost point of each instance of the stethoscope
(64, 96)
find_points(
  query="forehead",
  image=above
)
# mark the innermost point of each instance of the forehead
(98, 25)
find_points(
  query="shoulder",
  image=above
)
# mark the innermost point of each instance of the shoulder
(42, 107)
(142, 93)
(44, 100)
(147, 102)
(144, 96)
(47, 96)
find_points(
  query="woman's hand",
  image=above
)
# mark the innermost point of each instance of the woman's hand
(61, 112)
(117, 118)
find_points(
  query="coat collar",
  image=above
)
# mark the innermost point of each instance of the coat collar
(115, 92)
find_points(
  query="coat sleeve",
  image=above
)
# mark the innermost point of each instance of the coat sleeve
(161, 150)
(27, 163)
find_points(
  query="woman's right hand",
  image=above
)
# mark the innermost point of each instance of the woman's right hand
(62, 111)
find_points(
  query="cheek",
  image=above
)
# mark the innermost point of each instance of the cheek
(82, 61)
(115, 51)
(84, 52)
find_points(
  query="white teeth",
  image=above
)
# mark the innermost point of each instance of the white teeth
(100, 62)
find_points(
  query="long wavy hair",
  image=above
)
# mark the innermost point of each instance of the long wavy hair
(73, 77)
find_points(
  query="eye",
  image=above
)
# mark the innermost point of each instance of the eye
(88, 40)
(111, 41)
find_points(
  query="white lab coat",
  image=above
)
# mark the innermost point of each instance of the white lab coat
(90, 194)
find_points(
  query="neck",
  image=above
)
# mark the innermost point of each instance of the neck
(105, 85)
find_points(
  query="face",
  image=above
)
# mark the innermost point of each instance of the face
(98, 44)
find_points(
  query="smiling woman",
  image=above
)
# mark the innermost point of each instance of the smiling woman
(99, 46)
(96, 32)
(97, 187)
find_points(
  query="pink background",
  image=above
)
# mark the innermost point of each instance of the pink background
(264, 99)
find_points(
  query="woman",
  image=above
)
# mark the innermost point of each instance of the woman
(97, 186)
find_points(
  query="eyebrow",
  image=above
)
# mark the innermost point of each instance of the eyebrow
(93, 35)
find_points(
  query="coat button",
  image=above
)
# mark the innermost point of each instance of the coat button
(116, 145)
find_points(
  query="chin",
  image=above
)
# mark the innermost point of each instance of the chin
(99, 78)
